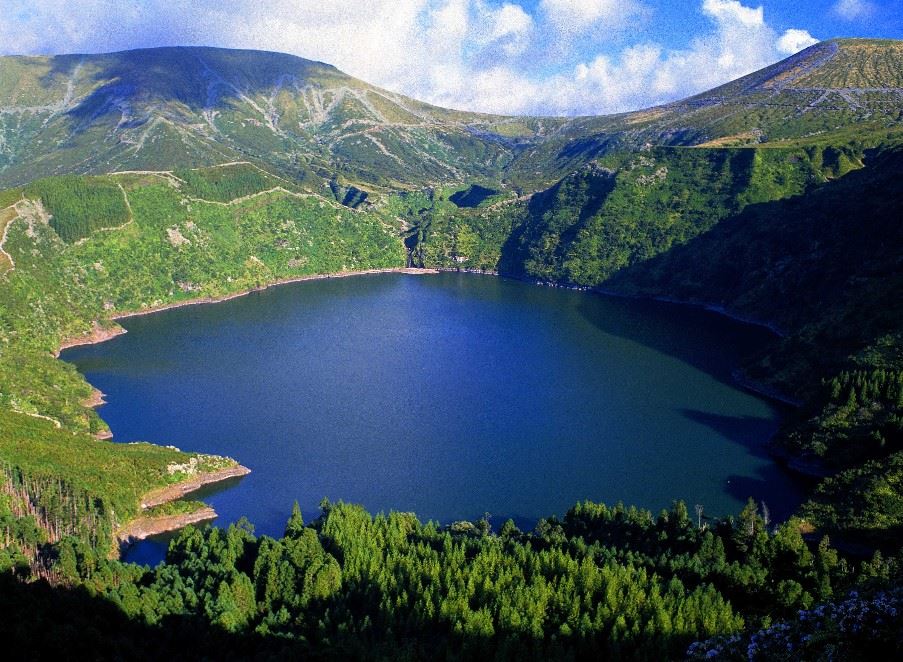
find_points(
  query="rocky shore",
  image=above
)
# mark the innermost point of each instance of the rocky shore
(97, 334)
(180, 490)
(144, 527)
(148, 525)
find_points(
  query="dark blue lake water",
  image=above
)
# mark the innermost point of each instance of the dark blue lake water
(448, 395)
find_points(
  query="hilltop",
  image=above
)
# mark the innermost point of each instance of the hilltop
(160, 108)
(169, 107)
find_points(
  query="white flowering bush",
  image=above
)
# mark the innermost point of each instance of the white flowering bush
(856, 628)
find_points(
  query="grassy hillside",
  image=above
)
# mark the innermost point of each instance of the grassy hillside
(185, 107)
(174, 245)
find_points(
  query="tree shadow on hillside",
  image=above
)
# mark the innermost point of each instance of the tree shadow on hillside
(826, 258)
(826, 261)
(773, 484)
(549, 212)
(197, 77)
(52, 623)
(706, 340)
(472, 196)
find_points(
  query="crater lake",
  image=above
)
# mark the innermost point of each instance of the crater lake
(449, 395)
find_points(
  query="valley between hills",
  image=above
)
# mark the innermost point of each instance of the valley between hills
(141, 180)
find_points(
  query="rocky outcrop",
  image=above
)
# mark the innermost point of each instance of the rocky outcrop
(97, 334)
(179, 490)
(144, 527)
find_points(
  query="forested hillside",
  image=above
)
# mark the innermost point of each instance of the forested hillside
(156, 240)
(624, 208)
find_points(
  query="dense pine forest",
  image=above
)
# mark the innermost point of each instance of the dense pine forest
(599, 582)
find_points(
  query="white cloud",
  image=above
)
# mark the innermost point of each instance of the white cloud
(509, 27)
(487, 55)
(740, 42)
(510, 20)
(731, 11)
(852, 10)
(793, 41)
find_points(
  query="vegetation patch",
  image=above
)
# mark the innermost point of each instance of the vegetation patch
(80, 205)
(226, 183)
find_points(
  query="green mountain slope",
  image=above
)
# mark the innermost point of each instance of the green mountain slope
(830, 87)
(626, 207)
(170, 107)
(188, 107)
(826, 265)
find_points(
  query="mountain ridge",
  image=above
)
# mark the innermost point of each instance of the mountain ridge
(198, 106)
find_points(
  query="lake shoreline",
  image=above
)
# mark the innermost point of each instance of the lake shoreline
(738, 376)
(145, 526)
(100, 333)
(176, 491)
(260, 288)
(711, 307)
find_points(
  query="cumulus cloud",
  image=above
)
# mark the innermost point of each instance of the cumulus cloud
(853, 10)
(793, 41)
(731, 11)
(489, 55)
(739, 42)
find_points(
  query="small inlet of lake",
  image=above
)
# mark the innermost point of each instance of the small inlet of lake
(449, 395)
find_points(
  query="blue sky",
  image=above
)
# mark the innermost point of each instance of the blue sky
(507, 56)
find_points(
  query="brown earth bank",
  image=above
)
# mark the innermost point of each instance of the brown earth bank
(97, 334)
(96, 399)
(178, 490)
(144, 527)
